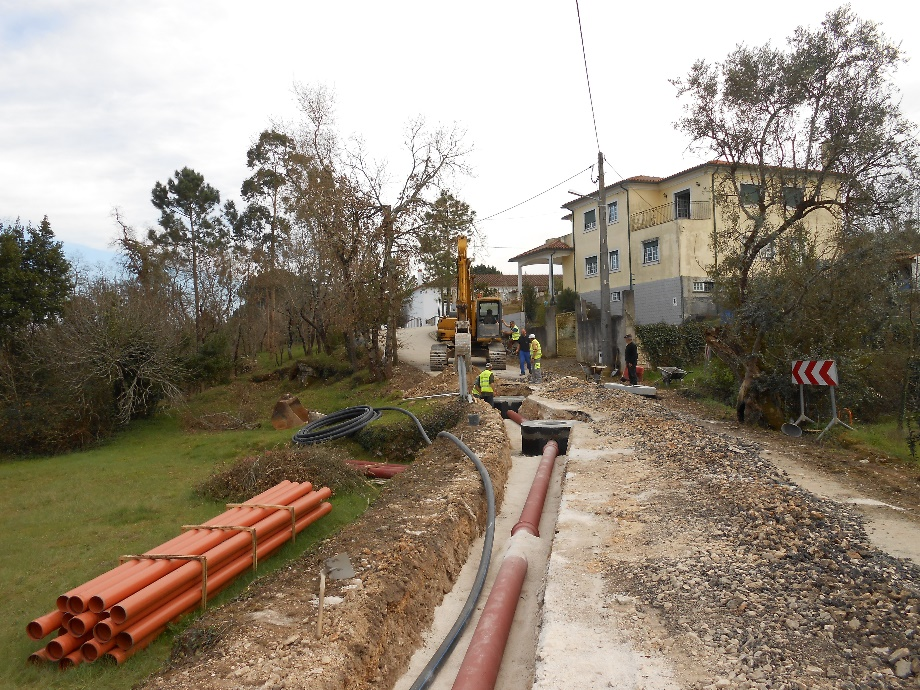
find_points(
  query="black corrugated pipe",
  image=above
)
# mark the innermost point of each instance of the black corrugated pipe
(353, 419)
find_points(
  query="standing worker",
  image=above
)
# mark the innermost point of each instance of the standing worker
(631, 355)
(524, 358)
(484, 384)
(536, 353)
(515, 334)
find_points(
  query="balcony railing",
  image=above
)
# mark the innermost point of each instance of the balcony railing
(691, 210)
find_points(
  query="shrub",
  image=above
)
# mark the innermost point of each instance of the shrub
(674, 346)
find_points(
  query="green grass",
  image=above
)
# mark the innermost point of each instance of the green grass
(68, 518)
(882, 437)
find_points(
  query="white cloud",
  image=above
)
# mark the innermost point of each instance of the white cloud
(101, 99)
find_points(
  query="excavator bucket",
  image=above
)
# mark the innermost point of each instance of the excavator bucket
(289, 413)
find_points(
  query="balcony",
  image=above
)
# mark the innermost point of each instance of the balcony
(690, 210)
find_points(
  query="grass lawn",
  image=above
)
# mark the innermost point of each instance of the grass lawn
(68, 518)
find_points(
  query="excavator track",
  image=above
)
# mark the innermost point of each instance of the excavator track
(497, 356)
(437, 358)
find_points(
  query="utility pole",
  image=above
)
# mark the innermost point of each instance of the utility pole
(606, 353)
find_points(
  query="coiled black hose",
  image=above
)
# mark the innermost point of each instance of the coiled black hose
(353, 419)
(337, 425)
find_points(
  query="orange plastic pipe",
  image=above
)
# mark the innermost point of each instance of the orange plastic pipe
(237, 541)
(107, 629)
(93, 649)
(79, 602)
(119, 656)
(533, 506)
(190, 571)
(64, 644)
(191, 597)
(75, 658)
(39, 656)
(79, 606)
(83, 624)
(203, 541)
(45, 625)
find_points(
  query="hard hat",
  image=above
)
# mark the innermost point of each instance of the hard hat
(488, 365)
(531, 336)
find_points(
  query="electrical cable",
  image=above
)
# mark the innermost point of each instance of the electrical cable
(536, 195)
(350, 421)
(585, 58)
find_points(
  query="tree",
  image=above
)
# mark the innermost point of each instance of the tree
(811, 131)
(482, 269)
(566, 300)
(187, 206)
(264, 224)
(35, 276)
(444, 222)
(369, 228)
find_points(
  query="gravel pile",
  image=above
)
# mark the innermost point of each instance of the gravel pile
(774, 588)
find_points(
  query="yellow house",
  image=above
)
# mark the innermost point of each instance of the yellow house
(660, 234)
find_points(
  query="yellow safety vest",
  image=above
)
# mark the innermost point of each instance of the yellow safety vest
(535, 351)
(515, 333)
(485, 382)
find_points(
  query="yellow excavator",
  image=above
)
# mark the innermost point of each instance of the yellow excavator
(477, 327)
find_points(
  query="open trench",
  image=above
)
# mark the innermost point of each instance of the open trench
(672, 556)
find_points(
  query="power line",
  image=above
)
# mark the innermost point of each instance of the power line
(536, 195)
(588, 78)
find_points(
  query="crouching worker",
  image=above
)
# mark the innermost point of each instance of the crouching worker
(485, 383)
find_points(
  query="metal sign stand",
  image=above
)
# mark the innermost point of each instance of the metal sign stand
(802, 416)
(834, 418)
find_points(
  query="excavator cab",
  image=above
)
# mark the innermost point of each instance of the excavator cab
(488, 319)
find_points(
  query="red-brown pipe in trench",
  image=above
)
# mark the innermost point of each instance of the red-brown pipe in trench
(533, 506)
(483, 658)
(515, 417)
(481, 664)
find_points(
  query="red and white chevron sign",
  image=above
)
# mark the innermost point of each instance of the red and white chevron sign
(815, 372)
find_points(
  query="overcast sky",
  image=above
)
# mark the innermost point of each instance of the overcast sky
(101, 99)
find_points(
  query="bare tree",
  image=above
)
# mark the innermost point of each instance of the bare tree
(369, 227)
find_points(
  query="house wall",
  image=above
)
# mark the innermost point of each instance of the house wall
(423, 305)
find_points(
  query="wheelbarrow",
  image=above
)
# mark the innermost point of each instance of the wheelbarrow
(669, 374)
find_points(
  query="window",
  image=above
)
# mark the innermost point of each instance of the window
(793, 196)
(702, 286)
(615, 260)
(682, 204)
(590, 266)
(749, 194)
(590, 219)
(650, 251)
(615, 296)
(613, 214)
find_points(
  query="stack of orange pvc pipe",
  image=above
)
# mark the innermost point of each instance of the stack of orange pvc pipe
(123, 610)
(380, 470)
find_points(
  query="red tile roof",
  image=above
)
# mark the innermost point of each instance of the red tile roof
(551, 245)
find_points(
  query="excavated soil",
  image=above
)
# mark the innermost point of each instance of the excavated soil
(407, 550)
(707, 551)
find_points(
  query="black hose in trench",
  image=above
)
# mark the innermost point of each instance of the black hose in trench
(353, 419)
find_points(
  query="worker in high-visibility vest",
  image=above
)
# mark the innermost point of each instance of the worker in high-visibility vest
(536, 354)
(484, 386)
(515, 334)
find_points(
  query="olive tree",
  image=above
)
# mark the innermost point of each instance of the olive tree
(814, 149)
